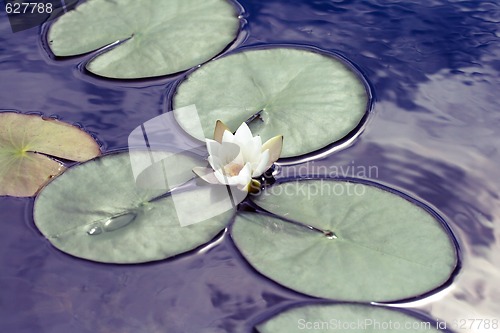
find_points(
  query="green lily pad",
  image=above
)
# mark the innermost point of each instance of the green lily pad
(311, 99)
(159, 37)
(103, 210)
(345, 318)
(25, 142)
(377, 246)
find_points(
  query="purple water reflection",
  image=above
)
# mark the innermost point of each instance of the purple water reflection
(434, 70)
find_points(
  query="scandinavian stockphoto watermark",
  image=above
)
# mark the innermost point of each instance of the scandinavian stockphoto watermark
(346, 169)
(325, 177)
(320, 187)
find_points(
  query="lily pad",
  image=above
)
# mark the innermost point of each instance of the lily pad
(311, 99)
(158, 37)
(369, 244)
(345, 318)
(25, 142)
(104, 211)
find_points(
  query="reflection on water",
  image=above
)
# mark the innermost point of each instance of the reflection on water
(433, 67)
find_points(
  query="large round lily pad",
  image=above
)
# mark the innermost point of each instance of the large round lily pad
(159, 37)
(103, 210)
(377, 246)
(25, 142)
(345, 318)
(311, 99)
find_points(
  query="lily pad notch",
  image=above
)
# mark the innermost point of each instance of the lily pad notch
(319, 101)
(142, 39)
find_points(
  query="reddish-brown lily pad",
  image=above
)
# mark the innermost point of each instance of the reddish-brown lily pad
(28, 146)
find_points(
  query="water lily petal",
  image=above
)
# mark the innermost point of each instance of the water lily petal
(215, 162)
(251, 153)
(213, 147)
(220, 128)
(243, 134)
(244, 177)
(251, 150)
(236, 158)
(274, 145)
(221, 177)
(229, 152)
(230, 180)
(257, 141)
(240, 180)
(262, 166)
(206, 174)
(227, 136)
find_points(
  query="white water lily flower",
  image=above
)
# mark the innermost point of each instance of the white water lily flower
(236, 159)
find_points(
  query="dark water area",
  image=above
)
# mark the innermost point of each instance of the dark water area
(433, 133)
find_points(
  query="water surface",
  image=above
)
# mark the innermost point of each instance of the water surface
(433, 134)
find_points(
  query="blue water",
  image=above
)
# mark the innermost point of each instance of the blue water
(433, 134)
